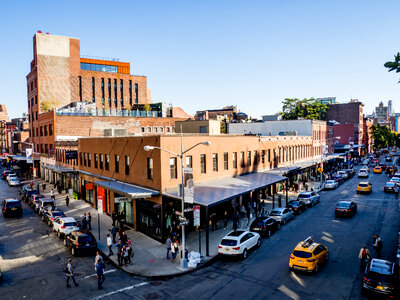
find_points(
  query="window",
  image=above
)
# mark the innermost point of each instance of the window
(85, 160)
(189, 161)
(35, 99)
(36, 115)
(80, 88)
(99, 68)
(32, 102)
(37, 131)
(101, 161)
(102, 90)
(121, 89)
(262, 156)
(255, 157)
(130, 92)
(142, 129)
(109, 92)
(149, 168)
(234, 160)
(107, 165)
(41, 130)
(225, 160)
(116, 159)
(269, 155)
(203, 163)
(51, 129)
(95, 161)
(45, 130)
(115, 93)
(89, 159)
(93, 90)
(161, 129)
(81, 158)
(126, 165)
(173, 168)
(136, 93)
(249, 158)
(149, 129)
(242, 159)
(215, 162)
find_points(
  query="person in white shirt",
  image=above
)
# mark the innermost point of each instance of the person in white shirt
(109, 244)
(97, 258)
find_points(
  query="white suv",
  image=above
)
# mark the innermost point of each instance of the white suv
(63, 226)
(310, 198)
(363, 173)
(239, 243)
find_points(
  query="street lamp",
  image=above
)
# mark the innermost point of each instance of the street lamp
(148, 148)
(322, 155)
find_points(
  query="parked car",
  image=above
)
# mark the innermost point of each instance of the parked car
(50, 215)
(395, 180)
(297, 206)
(27, 193)
(363, 173)
(11, 175)
(308, 256)
(63, 226)
(239, 243)
(337, 179)
(265, 226)
(389, 187)
(388, 159)
(81, 242)
(379, 278)
(344, 174)
(345, 209)
(5, 173)
(34, 198)
(14, 181)
(310, 198)
(282, 215)
(45, 204)
(350, 172)
(330, 185)
(11, 208)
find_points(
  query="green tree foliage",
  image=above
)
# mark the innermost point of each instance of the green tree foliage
(294, 109)
(384, 137)
(394, 65)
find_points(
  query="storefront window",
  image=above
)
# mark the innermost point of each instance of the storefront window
(149, 218)
(122, 203)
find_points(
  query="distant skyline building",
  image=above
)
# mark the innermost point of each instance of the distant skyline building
(390, 108)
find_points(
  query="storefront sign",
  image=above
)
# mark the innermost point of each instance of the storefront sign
(89, 186)
(100, 204)
(189, 185)
(29, 153)
(121, 199)
(71, 155)
(196, 215)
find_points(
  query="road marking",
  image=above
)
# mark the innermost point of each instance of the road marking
(121, 290)
(105, 272)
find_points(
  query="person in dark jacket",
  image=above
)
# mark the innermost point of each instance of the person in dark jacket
(89, 221)
(119, 253)
(100, 274)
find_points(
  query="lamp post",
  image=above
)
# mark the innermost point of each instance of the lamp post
(322, 155)
(148, 148)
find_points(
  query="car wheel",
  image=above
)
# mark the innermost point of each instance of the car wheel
(73, 251)
(316, 268)
(244, 255)
(258, 243)
(59, 234)
(65, 242)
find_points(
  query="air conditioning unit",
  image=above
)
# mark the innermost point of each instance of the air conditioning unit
(115, 132)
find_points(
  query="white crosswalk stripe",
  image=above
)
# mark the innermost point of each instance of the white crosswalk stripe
(121, 290)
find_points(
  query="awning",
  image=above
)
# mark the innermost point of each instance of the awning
(129, 190)
(216, 191)
(284, 170)
(21, 157)
(60, 169)
(97, 176)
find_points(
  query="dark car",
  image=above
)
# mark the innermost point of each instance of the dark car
(350, 172)
(11, 208)
(388, 159)
(265, 226)
(6, 173)
(27, 192)
(81, 242)
(50, 215)
(345, 209)
(297, 206)
(389, 170)
(383, 166)
(338, 179)
(379, 278)
(389, 187)
(34, 198)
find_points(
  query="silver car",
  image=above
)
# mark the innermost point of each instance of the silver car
(330, 184)
(282, 214)
(310, 198)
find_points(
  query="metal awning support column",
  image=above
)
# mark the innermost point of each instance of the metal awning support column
(287, 188)
(273, 195)
(207, 233)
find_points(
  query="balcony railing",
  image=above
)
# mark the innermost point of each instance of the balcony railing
(107, 113)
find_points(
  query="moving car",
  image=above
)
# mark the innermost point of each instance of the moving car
(310, 198)
(14, 181)
(389, 187)
(50, 215)
(388, 158)
(282, 215)
(364, 187)
(297, 206)
(239, 243)
(330, 185)
(377, 170)
(389, 169)
(63, 226)
(395, 180)
(383, 166)
(11, 208)
(81, 242)
(308, 256)
(265, 226)
(379, 278)
(363, 173)
(396, 175)
(344, 174)
(345, 209)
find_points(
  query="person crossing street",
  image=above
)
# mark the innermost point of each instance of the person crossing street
(70, 273)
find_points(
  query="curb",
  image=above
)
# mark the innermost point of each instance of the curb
(152, 277)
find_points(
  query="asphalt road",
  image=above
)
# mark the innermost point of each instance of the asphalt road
(34, 259)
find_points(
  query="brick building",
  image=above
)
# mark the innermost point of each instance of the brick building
(4, 118)
(367, 140)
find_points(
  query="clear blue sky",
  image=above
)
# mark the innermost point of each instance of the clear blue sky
(208, 54)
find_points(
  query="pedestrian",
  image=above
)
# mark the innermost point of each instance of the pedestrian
(38, 186)
(114, 231)
(124, 238)
(100, 274)
(225, 219)
(109, 245)
(129, 249)
(67, 201)
(44, 186)
(363, 256)
(125, 255)
(174, 250)
(52, 193)
(84, 221)
(113, 217)
(31, 184)
(122, 218)
(396, 192)
(89, 221)
(306, 186)
(97, 258)
(70, 273)
(119, 253)
(168, 245)
(377, 244)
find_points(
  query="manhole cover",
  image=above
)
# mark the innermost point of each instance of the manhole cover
(152, 296)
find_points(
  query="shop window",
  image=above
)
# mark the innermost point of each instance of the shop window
(126, 165)
(95, 161)
(89, 161)
(85, 159)
(149, 168)
(173, 168)
(203, 163)
(116, 162)
(255, 157)
(107, 163)
(234, 160)
(225, 160)
(262, 156)
(215, 162)
(189, 161)
(242, 159)
(249, 158)
(101, 161)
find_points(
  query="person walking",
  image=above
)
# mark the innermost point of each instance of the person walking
(84, 221)
(114, 231)
(67, 201)
(226, 219)
(123, 238)
(38, 186)
(53, 195)
(396, 192)
(168, 245)
(363, 256)
(109, 245)
(174, 250)
(122, 218)
(70, 273)
(377, 244)
(124, 255)
(114, 217)
(100, 274)
(119, 253)
(44, 186)
(129, 249)
(97, 258)
(89, 221)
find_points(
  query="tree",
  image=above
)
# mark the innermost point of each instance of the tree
(394, 65)
(47, 105)
(147, 107)
(310, 109)
(383, 137)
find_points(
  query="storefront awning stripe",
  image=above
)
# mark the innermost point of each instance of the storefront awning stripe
(213, 192)
(129, 190)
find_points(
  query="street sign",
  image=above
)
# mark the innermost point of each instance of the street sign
(188, 209)
(320, 170)
(196, 215)
(182, 219)
(100, 204)
(121, 199)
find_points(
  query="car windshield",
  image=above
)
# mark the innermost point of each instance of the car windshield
(389, 184)
(57, 213)
(363, 185)
(330, 182)
(226, 242)
(71, 224)
(301, 254)
(304, 196)
(343, 205)
(380, 277)
(275, 213)
(85, 239)
(13, 204)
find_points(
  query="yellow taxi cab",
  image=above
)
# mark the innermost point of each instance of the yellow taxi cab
(308, 256)
(378, 170)
(364, 186)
